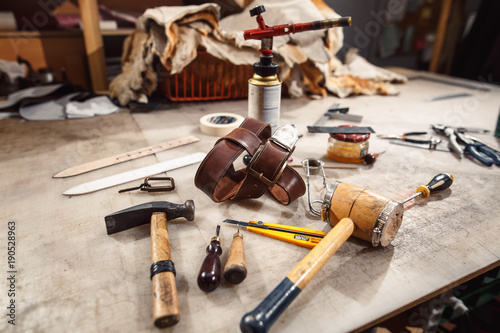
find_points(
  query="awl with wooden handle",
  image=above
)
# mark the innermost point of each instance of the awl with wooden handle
(209, 275)
(235, 270)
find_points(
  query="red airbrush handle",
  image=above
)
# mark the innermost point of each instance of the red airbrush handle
(265, 31)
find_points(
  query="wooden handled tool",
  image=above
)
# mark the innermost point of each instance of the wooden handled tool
(266, 313)
(166, 310)
(235, 270)
(209, 276)
(351, 210)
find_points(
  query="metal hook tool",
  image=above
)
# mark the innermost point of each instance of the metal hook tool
(315, 166)
(146, 186)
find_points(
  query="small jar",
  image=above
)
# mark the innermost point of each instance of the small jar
(348, 148)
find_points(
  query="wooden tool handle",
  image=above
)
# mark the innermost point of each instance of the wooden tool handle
(166, 310)
(266, 313)
(235, 270)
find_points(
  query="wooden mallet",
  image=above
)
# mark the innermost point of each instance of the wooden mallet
(166, 310)
(351, 210)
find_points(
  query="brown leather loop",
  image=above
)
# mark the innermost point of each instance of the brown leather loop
(267, 170)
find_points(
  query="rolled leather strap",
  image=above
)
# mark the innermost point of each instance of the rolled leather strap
(267, 170)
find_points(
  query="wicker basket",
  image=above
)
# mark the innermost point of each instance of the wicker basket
(207, 78)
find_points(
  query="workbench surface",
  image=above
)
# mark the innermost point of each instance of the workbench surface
(70, 276)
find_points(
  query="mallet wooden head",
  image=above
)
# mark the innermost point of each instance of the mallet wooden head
(141, 214)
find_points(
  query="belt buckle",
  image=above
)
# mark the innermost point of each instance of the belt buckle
(285, 137)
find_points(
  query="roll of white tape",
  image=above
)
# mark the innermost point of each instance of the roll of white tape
(220, 124)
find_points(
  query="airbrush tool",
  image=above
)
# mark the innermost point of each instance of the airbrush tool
(264, 88)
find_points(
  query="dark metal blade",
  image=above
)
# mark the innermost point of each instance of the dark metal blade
(340, 130)
(141, 214)
(240, 223)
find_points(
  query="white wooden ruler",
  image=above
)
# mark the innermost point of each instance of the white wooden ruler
(131, 155)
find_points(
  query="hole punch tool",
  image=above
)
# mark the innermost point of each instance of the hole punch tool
(148, 187)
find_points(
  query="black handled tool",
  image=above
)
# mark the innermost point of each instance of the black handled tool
(438, 183)
(209, 276)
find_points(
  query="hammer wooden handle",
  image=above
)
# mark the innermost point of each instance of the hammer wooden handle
(266, 313)
(166, 310)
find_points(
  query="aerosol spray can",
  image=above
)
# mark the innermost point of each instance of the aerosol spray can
(264, 92)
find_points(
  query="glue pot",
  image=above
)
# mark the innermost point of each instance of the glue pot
(348, 148)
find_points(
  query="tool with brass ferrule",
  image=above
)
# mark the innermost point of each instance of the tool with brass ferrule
(295, 235)
(209, 276)
(440, 182)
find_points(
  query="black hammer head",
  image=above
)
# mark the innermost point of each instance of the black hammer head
(141, 214)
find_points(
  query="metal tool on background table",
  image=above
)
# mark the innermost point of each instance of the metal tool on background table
(334, 112)
(340, 130)
(405, 140)
(299, 236)
(427, 146)
(406, 137)
(351, 210)
(478, 150)
(148, 187)
(131, 175)
(131, 155)
(475, 147)
(447, 96)
(209, 275)
(166, 310)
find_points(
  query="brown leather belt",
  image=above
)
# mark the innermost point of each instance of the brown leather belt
(267, 170)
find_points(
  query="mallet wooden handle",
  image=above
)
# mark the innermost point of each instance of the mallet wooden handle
(235, 270)
(166, 310)
(266, 313)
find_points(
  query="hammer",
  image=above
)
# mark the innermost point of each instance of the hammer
(166, 311)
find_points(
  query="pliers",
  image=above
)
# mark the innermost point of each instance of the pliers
(473, 146)
(479, 150)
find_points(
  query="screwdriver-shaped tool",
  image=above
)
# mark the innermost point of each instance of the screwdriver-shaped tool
(235, 270)
(209, 276)
(295, 235)
(438, 183)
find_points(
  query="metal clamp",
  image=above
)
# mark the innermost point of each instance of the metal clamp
(376, 233)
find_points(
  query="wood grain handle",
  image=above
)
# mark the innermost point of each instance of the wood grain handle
(235, 270)
(166, 310)
(266, 313)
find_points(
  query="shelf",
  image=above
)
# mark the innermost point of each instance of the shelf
(41, 34)
(117, 32)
